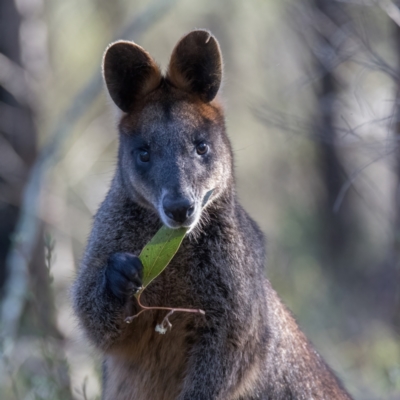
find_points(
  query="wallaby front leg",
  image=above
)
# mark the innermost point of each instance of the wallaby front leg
(213, 367)
(102, 295)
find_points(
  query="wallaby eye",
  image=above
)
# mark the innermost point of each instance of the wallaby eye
(144, 156)
(202, 148)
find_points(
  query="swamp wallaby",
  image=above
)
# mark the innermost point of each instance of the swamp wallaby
(174, 153)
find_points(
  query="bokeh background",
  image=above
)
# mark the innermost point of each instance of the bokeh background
(311, 91)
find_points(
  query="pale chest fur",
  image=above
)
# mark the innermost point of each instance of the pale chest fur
(148, 365)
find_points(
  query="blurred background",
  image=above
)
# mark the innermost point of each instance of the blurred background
(311, 92)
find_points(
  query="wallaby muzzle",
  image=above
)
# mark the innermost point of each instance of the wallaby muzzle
(178, 209)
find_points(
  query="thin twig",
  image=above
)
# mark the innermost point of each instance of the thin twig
(171, 310)
(391, 10)
(13, 79)
(349, 182)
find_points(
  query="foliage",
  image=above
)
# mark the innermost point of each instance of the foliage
(158, 253)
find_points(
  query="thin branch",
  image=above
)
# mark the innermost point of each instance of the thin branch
(326, 28)
(13, 79)
(391, 10)
(27, 230)
(354, 175)
(171, 310)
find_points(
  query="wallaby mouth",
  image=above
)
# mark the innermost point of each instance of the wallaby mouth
(178, 211)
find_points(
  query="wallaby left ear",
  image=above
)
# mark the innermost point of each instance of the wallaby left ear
(130, 73)
(196, 65)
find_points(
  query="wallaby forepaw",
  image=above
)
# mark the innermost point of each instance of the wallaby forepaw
(123, 275)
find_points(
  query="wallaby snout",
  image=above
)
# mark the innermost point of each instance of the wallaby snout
(179, 210)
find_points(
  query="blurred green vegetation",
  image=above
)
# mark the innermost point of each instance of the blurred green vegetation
(310, 91)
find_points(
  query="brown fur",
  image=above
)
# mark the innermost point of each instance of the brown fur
(247, 346)
(121, 63)
(197, 49)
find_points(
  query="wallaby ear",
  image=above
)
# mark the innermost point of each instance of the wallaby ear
(196, 65)
(130, 73)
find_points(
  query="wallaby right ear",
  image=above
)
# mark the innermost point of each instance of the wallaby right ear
(196, 65)
(130, 73)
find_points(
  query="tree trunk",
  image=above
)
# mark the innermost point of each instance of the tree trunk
(389, 289)
(336, 226)
(18, 152)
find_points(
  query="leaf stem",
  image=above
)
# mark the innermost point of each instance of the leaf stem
(171, 310)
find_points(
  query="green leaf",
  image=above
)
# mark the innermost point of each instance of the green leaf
(157, 254)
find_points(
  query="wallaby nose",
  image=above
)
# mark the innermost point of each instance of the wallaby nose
(178, 210)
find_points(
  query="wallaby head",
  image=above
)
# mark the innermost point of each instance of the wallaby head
(174, 155)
